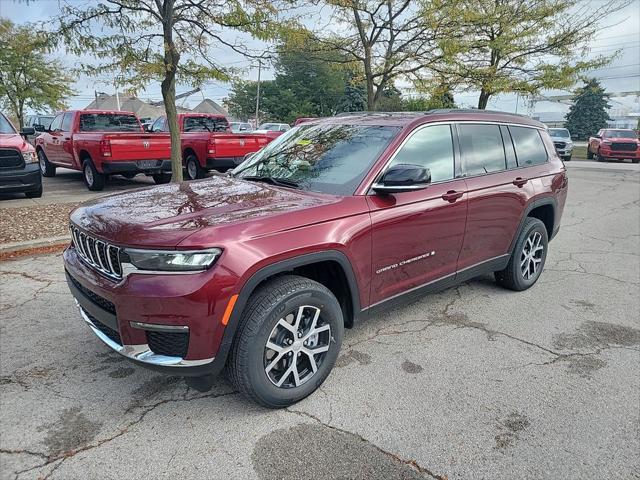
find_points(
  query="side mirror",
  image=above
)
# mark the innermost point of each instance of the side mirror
(403, 178)
(27, 131)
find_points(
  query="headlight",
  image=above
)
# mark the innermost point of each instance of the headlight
(30, 157)
(172, 261)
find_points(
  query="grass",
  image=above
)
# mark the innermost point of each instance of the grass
(580, 152)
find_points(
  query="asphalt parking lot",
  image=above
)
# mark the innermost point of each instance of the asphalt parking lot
(472, 383)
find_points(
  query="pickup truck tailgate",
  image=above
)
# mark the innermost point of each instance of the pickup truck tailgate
(139, 146)
(236, 145)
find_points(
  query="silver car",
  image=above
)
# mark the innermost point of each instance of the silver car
(562, 141)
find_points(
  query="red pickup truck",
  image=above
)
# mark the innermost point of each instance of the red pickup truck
(208, 143)
(612, 143)
(102, 143)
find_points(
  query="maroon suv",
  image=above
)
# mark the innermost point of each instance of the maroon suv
(261, 270)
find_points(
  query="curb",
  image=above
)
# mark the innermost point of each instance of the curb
(16, 248)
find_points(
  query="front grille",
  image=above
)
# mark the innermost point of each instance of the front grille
(172, 344)
(108, 331)
(560, 144)
(10, 158)
(94, 297)
(624, 146)
(100, 255)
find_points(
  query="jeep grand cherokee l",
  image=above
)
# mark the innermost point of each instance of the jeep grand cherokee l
(260, 271)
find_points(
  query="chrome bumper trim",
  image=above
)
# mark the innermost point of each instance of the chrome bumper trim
(156, 327)
(141, 353)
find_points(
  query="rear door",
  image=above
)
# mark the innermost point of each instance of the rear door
(417, 236)
(498, 191)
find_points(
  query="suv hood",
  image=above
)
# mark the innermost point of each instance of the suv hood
(14, 140)
(165, 215)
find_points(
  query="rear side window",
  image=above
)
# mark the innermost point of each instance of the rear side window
(66, 122)
(430, 147)
(529, 146)
(108, 122)
(482, 148)
(205, 124)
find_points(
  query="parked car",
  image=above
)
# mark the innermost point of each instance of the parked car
(240, 127)
(208, 143)
(614, 143)
(101, 143)
(272, 130)
(19, 170)
(262, 270)
(562, 141)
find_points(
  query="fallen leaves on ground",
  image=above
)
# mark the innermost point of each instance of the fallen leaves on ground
(30, 223)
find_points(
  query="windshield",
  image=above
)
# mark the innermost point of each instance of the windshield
(620, 134)
(559, 132)
(5, 126)
(322, 158)
(205, 124)
(108, 122)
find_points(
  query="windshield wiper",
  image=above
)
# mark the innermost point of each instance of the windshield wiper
(280, 182)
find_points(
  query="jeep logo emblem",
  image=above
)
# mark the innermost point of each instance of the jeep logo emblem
(145, 144)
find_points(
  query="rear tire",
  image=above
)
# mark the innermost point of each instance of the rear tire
(194, 170)
(34, 193)
(528, 257)
(589, 154)
(93, 179)
(284, 313)
(46, 168)
(161, 178)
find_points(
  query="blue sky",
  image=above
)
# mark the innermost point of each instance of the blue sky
(622, 32)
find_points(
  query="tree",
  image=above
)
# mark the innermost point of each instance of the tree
(168, 41)
(588, 113)
(390, 39)
(28, 79)
(520, 46)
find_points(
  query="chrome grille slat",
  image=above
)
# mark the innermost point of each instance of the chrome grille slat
(98, 254)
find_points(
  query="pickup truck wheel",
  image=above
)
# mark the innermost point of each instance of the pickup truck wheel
(600, 158)
(194, 170)
(46, 168)
(589, 154)
(93, 179)
(528, 257)
(287, 341)
(163, 177)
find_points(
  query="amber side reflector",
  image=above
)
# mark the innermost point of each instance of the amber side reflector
(229, 310)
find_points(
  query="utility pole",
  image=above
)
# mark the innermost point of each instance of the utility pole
(258, 93)
(117, 96)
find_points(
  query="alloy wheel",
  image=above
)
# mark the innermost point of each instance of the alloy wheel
(531, 256)
(42, 162)
(296, 347)
(192, 170)
(88, 175)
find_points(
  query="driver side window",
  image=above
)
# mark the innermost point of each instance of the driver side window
(430, 147)
(157, 125)
(56, 123)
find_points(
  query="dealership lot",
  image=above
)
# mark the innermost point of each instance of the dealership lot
(473, 382)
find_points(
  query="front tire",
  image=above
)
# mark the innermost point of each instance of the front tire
(287, 341)
(528, 257)
(93, 179)
(46, 168)
(34, 193)
(194, 170)
(161, 178)
(589, 154)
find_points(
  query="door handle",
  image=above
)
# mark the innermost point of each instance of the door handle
(451, 196)
(519, 181)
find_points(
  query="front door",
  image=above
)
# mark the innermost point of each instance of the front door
(417, 236)
(66, 145)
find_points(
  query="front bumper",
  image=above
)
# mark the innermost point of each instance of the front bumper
(25, 179)
(620, 154)
(142, 316)
(142, 166)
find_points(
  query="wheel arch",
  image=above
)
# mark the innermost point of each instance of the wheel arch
(543, 209)
(302, 265)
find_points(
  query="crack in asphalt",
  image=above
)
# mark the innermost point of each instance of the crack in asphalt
(410, 462)
(70, 454)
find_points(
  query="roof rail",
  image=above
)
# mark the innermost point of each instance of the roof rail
(430, 112)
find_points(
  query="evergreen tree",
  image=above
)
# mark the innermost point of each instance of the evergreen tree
(588, 114)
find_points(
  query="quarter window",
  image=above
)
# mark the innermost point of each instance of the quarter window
(430, 147)
(529, 146)
(482, 148)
